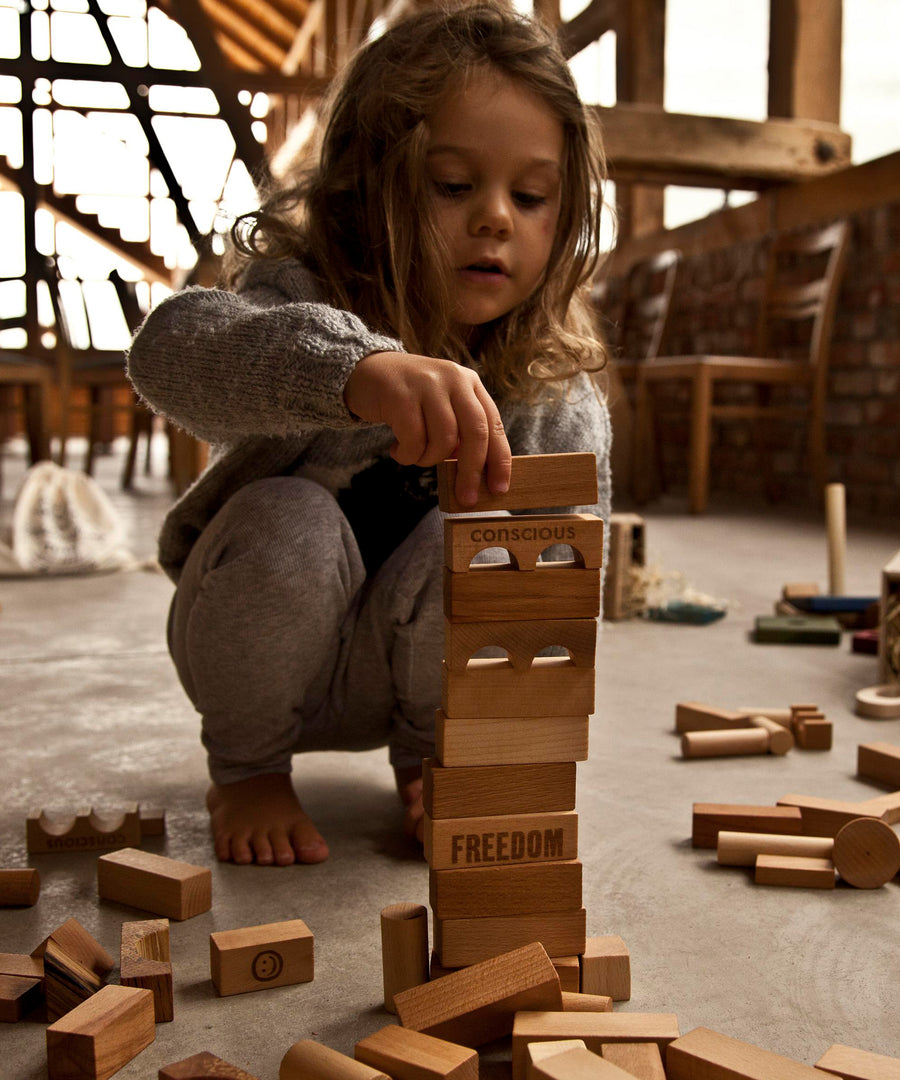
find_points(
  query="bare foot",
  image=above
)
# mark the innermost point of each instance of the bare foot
(409, 785)
(261, 820)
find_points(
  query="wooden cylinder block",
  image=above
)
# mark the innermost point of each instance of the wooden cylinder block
(867, 853)
(697, 744)
(836, 519)
(780, 738)
(404, 949)
(741, 849)
(19, 888)
(309, 1060)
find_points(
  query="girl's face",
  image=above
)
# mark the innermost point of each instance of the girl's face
(494, 163)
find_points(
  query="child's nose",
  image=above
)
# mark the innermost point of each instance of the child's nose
(491, 215)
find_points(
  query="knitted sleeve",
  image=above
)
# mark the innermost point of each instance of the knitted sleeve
(269, 360)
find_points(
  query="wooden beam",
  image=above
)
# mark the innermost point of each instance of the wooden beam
(805, 59)
(242, 30)
(587, 27)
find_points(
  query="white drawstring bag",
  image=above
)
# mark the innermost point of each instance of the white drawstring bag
(63, 523)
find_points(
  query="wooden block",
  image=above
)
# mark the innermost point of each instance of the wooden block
(695, 716)
(779, 715)
(411, 1055)
(261, 957)
(146, 962)
(606, 967)
(799, 590)
(486, 790)
(18, 996)
(404, 949)
(594, 1029)
(537, 482)
(437, 970)
(19, 888)
(888, 643)
(867, 853)
(641, 1060)
(824, 817)
(552, 686)
(578, 1063)
(176, 890)
(22, 965)
(797, 630)
(706, 1055)
(476, 1004)
(706, 744)
(460, 942)
(781, 739)
(522, 641)
(505, 890)
(587, 1002)
(97, 1038)
(203, 1066)
(67, 982)
(711, 818)
(627, 550)
(814, 734)
(568, 968)
(87, 830)
(153, 820)
(509, 838)
(496, 592)
(886, 807)
(72, 939)
(742, 849)
(852, 1064)
(512, 740)
(879, 761)
(794, 870)
(538, 1052)
(310, 1060)
(525, 537)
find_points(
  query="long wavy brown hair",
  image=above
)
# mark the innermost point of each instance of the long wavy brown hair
(359, 217)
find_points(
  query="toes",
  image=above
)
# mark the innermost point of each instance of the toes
(262, 849)
(309, 846)
(241, 851)
(282, 849)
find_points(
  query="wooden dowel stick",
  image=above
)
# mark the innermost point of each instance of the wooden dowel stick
(741, 849)
(751, 740)
(836, 521)
(404, 949)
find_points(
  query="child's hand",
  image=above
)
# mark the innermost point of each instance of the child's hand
(437, 410)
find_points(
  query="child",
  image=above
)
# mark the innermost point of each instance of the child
(417, 296)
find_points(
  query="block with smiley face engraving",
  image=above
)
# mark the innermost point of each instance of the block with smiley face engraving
(259, 957)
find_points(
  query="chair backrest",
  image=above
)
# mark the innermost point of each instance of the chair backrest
(647, 305)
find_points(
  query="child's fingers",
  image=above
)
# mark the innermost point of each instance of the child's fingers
(498, 457)
(474, 440)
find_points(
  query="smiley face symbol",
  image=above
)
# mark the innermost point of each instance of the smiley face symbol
(267, 965)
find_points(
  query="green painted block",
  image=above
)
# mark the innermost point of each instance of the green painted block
(798, 629)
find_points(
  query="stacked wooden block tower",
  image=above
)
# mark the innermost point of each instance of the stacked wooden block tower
(501, 831)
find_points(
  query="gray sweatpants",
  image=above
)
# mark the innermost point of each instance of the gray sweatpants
(283, 644)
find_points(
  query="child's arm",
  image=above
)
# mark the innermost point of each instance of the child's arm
(436, 409)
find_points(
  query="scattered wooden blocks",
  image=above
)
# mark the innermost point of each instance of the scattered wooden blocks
(711, 818)
(488, 790)
(879, 761)
(867, 853)
(309, 1060)
(146, 962)
(515, 838)
(18, 996)
(260, 957)
(203, 1066)
(539, 481)
(516, 740)
(459, 942)
(606, 968)
(176, 890)
(641, 1060)
(410, 1055)
(506, 890)
(794, 870)
(86, 830)
(706, 1055)
(852, 1064)
(19, 888)
(97, 1038)
(404, 949)
(476, 1004)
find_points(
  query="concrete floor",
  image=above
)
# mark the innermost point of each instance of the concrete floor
(92, 713)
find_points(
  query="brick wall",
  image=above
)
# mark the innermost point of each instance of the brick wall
(715, 311)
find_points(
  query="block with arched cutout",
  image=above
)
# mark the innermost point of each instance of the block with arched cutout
(525, 537)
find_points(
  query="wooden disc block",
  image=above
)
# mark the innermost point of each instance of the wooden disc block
(867, 853)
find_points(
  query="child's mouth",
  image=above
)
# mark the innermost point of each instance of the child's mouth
(484, 272)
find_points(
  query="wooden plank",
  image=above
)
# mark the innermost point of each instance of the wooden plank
(538, 482)
(261, 957)
(506, 890)
(551, 686)
(516, 740)
(499, 592)
(97, 1038)
(177, 890)
(477, 1004)
(473, 791)
(511, 838)
(703, 1054)
(794, 870)
(524, 536)
(146, 962)
(460, 942)
(522, 641)
(411, 1055)
(709, 819)
(852, 1064)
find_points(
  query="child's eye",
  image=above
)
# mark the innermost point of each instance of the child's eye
(528, 201)
(451, 189)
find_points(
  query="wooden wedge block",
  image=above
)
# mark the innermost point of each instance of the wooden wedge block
(460, 942)
(509, 838)
(512, 740)
(404, 949)
(711, 818)
(18, 996)
(497, 592)
(537, 482)
(552, 686)
(641, 1060)
(794, 870)
(476, 1004)
(261, 957)
(146, 962)
(587, 1002)
(595, 1029)
(411, 1055)
(22, 965)
(814, 734)
(176, 890)
(74, 940)
(852, 1064)
(310, 1060)
(569, 971)
(742, 849)
(696, 716)
(824, 817)
(606, 967)
(203, 1066)
(706, 1055)
(525, 537)
(579, 1063)
(506, 890)
(885, 807)
(67, 982)
(879, 761)
(728, 743)
(86, 830)
(97, 1038)
(867, 853)
(522, 641)
(487, 790)
(19, 888)
(538, 1052)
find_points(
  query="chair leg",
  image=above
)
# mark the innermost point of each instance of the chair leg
(818, 461)
(135, 426)
(94, 428)
(640, 454)
(36, 412)
(701, 421)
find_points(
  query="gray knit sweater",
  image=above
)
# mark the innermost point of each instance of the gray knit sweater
(260, 375)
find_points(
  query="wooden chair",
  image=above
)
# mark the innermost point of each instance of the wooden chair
(810, 302)
(33, 378)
